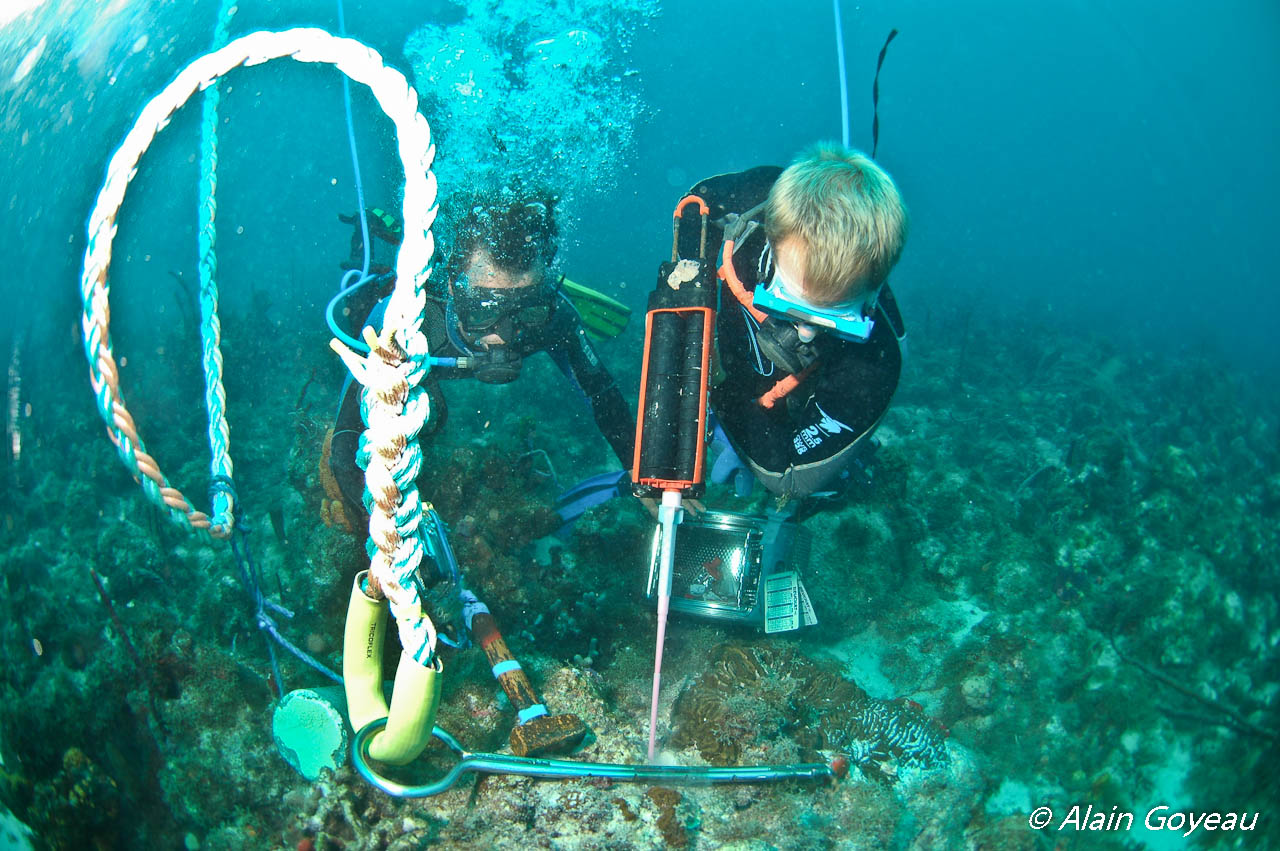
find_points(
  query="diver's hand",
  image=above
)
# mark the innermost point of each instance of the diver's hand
(693, 506)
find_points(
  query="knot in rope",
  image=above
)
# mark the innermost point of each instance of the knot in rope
(394, 410)
(224, 499)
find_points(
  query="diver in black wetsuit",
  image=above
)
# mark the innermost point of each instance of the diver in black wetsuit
(498, 302)
(809, 336)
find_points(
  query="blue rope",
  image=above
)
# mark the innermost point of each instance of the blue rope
(210, 326)
(222, 491)
(251, 581)
(844, 84)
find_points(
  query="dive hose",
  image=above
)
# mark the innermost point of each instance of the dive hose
(359, 345)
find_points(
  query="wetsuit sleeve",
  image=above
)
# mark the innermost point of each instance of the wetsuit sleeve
(573, 353)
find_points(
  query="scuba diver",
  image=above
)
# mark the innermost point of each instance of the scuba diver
(806, 355)
(494, 301)
(809, 335)
(498, 302)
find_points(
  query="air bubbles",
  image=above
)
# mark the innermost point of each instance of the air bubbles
(556, 108)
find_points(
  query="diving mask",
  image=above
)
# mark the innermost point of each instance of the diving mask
(480, 309)
(849, 321)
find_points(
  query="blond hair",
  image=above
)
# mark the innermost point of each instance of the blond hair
(847, 213)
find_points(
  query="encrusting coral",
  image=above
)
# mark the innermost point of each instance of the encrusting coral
(754, 695)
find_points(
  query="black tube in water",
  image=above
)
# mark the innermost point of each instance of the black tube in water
(662, 397)
(690, 399)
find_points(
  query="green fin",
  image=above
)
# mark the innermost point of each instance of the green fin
(601, 316)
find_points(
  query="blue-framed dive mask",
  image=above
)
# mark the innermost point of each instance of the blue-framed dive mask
(850, 321)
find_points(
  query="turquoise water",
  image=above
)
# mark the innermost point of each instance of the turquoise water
(1068, 561)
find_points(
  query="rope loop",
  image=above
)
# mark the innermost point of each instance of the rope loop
(397, 362)
(396, 97)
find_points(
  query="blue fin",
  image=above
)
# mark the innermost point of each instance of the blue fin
(589, 493)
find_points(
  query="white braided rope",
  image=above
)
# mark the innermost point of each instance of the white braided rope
(391, 371)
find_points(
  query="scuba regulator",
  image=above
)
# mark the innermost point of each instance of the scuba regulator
(780, 342)
(495, 365)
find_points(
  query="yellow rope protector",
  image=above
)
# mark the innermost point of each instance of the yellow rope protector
(416, 693)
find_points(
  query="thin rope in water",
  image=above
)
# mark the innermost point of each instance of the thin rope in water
(215, 396)
(844, 82)
(251, 582)
(223, 494)
(355, 158)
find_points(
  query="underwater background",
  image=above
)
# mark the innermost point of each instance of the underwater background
(1064, 577)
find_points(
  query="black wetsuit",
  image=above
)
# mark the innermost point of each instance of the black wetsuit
(561, 336)
(804, 443)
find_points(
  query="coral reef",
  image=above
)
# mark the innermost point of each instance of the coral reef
(1067, 559)
(80, 807)
(757, 696)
